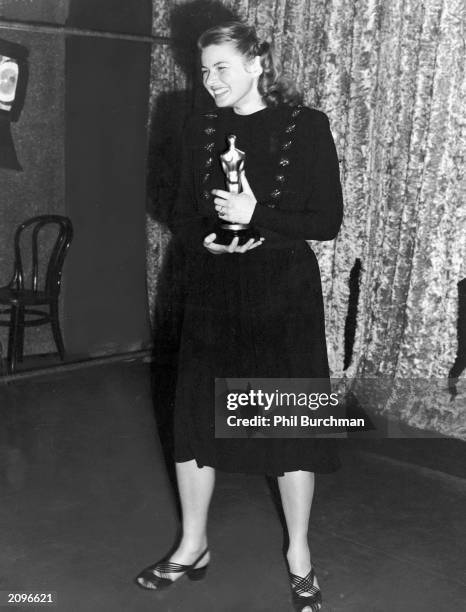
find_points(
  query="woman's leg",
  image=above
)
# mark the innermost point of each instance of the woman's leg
(296, 491)
(195, 487)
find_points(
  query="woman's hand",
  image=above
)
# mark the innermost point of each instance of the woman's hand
(235, 207)
(218, 249)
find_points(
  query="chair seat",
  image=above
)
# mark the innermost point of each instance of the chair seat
(26, 296)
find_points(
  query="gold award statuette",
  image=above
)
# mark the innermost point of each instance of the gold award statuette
(233, 161)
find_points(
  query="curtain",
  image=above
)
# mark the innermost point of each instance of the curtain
(391, 78)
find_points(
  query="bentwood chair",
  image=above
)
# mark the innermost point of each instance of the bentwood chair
(40, 299)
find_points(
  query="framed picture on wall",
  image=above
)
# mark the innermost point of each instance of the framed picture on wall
(9, 72)
(13, 79)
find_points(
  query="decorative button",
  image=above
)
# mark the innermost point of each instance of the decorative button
(209, 146)
(296, 112)
(284, 162)
(291, 128)
(205, 195)
(209, 130)
(206, 177)
(280, 178)
(276, 193)
(211, 115)
(209, 162)
(271, 205)
(286, 145)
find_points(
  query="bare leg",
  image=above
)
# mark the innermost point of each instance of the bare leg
(195, 486)
(297, 491)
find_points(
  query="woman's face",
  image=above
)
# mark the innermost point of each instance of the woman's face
(228, 77)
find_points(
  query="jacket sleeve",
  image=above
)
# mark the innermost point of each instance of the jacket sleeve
(186, 223)
(322, 213)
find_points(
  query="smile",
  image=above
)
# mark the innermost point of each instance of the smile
(220, 92)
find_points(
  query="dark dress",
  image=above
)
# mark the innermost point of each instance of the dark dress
(257, 314)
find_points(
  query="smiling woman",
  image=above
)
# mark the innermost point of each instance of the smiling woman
(232, 79)
(253, 310)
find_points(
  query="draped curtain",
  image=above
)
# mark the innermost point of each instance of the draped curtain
(391, 78)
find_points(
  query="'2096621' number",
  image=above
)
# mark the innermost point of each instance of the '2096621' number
(25, 598)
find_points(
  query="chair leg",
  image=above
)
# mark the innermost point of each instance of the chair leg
(20, 337)
(54, 320)
(13, 339)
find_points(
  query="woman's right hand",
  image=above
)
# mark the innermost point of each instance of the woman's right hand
(218, 249)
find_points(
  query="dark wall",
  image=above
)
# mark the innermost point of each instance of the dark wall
(81, 140)
(39, 141)
(130, 17)
(105, 192)
(28, 11)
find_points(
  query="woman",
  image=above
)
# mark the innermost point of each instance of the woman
(253, 309)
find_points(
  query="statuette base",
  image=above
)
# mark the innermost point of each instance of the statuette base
(226, 232)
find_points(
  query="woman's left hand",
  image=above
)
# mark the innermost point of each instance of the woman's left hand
(235, 207)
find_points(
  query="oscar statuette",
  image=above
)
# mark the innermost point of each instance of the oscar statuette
(233, 161)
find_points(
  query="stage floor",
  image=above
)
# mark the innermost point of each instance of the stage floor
(87, 503)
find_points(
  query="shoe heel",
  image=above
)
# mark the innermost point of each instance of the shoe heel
(197, 573)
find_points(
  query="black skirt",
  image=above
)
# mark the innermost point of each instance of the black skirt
(259, 314)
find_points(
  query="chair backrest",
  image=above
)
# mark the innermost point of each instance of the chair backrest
(57, 252)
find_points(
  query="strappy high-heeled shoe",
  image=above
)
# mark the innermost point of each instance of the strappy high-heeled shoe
(147, 579)
(300, 585)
